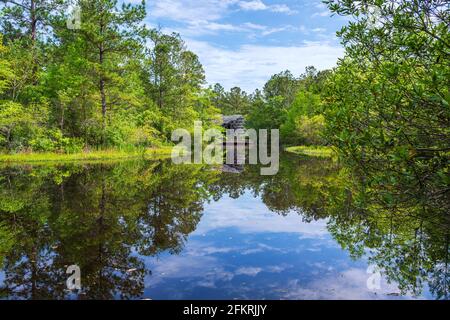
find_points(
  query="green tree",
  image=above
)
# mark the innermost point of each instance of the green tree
(26, 21)
(6, 72)
(269, 114)
(111, 35)
(387, 107)
(269, 108)
(235, 101)
(28, 18)
(100, 85)
(284, 85)
(304, 124)
(173, 77)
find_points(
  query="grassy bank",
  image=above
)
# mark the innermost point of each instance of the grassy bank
(99, 155)
(312, 151)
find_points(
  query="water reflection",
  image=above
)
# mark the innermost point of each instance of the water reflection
(151, 229)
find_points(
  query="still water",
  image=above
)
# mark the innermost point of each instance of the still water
(153, 230)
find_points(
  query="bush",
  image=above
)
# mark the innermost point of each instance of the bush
(310, 129)
(303, 125)
(42, 144)
(72, 145)
(54, 141)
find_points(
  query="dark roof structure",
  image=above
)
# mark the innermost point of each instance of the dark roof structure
(233, 122)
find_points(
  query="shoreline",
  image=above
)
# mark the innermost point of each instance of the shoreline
(84, 156)
(312, 151)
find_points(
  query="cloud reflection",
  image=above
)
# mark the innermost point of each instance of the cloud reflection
(249, 215)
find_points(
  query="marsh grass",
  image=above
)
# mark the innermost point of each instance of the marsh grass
(98, 155)
(312, 151)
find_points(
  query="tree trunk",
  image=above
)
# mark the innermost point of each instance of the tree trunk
(33, 21)
(102, 95)
(8, 138)
(102, 84)
(61, 122)
(33, 30)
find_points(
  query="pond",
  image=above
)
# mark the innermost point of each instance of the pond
(154, 230)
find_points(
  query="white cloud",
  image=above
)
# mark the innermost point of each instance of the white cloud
(188, 10)
(319, 30)
(282, 8)
(270, 31)
(322, 10)
(350, 284)
(248, 215)
(258, 5)
(254, 5)
(203, 26)
(322, 14)
(196, 29)
(248, 271)
(254, 26)
(209, 10)
(250, 66)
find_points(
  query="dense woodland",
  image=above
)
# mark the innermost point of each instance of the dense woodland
(115, 83)
(110, 83)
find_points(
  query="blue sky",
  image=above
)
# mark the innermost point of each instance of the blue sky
(243, 42)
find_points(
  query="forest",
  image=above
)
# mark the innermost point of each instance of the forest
(115, 83)
(111, 83)
(379, 123)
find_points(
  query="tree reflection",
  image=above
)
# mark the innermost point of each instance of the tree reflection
(408, 242)
(106, 218)
(97, 217)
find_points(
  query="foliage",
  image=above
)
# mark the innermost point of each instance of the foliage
(233, 102)
(112, 83)
(259, 119)
(5, 68)
(53, 140)
(293, 105)
(309, 129)
(387, 104)
(316, 151)
(284, 85)
(303, 125)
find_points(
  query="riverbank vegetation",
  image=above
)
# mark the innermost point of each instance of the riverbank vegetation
(109, 83)
(386, 105)
(313, 151)
(112, 83)
(94, 155)
(384, 108)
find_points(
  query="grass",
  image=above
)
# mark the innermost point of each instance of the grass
(100, 155)
(312, 151)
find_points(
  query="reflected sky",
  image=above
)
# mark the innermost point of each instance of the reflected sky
(150, 229)
(242, 250)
